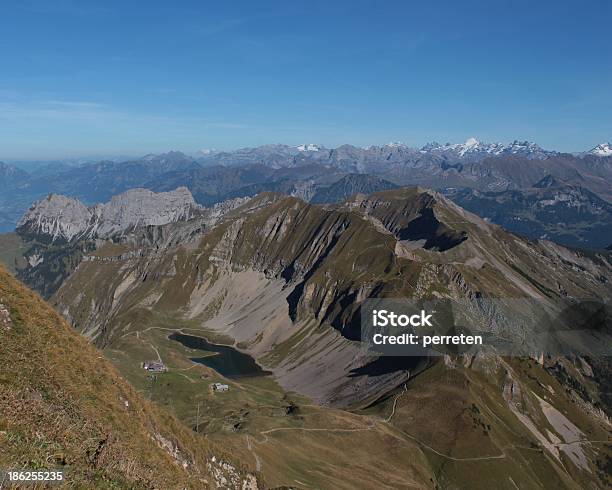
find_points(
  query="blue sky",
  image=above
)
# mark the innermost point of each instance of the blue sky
(85, 78)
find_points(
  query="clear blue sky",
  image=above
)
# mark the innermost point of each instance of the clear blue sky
(80, 77)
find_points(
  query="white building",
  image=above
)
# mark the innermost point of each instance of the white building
(219, 387)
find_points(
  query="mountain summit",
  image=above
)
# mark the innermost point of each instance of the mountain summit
(59, 217)
(602, 150)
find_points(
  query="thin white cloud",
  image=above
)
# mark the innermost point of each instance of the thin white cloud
(62, 111)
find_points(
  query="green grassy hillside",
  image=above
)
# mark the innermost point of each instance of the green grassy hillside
(64, 406)
(12, 248)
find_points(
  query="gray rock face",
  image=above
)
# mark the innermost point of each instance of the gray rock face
(142, 207)
(63, 218)
(56, 217)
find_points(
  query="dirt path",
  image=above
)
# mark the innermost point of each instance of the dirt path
(388, 419)
(156, 352)
(250, 448)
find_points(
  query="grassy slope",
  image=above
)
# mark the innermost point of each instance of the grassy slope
(314, 447)
(12, 249)
(63, 405)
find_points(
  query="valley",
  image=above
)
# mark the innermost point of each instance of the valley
(291, 441)
(261, 423)
(273, 285)
(250, 310)
(392, 442)
(305, 245)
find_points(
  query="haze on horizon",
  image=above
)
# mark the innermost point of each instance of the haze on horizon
(90, 78)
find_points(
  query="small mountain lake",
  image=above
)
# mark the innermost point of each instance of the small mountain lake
(226, 360)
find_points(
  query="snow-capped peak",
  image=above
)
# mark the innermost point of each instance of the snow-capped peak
(396, 144)
(602, 150)
(308, 147)
(206, 151)
(475, 148)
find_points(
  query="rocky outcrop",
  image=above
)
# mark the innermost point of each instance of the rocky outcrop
(5, 318)
(58, 218)
(141, 207)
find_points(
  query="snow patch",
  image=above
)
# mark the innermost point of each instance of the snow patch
(602, 150)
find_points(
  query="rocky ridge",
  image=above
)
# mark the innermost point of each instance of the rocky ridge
(284, 280)
(312, 266)
(63, 218)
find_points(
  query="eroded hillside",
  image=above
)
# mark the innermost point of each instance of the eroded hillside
(278, 272)
(282, 281)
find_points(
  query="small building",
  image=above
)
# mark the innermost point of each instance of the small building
(219, 387)
(154, 366)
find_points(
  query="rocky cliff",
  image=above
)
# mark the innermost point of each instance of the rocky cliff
(63, 218)
(58, 231)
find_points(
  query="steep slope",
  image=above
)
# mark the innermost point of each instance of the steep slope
(283, 281)
(64, 406)
(278, 270)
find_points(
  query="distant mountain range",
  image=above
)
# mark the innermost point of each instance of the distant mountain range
(311, 171)
(471, 150)
(551, 209)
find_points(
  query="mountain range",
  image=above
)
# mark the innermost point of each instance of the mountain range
(282, 281)
(552, 209)
(308, 169)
